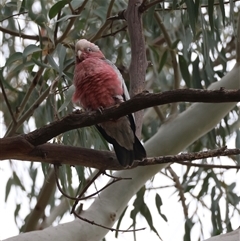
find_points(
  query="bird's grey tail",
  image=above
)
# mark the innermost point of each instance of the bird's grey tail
(126, 157)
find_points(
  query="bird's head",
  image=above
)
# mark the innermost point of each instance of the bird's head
(85, 49)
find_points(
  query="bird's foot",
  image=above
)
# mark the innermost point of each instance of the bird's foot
(100, 109)
(78, 111)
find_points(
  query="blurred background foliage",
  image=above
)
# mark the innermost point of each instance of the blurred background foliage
(37, 63)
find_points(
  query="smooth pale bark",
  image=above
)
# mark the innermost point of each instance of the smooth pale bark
(232, 236)
(108, 206)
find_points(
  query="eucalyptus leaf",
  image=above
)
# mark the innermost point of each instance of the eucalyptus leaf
(15, 57)
(30, 49)
(56, 8)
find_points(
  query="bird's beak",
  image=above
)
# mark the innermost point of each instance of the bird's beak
(79, 52)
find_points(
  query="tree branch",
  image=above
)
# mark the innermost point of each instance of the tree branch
(139, 102)
(183, 157)
(22, 35)
(18, 148)
(138, 65)
(180, 190)
(43, 198)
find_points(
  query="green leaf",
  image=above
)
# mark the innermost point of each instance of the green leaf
(149, 16)
(76, 3)
(188, 227)
(40, 63)
(8, 188)
(14, 57)
(163, 60)
(66, 17)
(17, 181)
(158, 202)
(175, 43)
(100, 12)
(137, 203)
(222, 8)
(140, 206)
(210, 13)
(184, 70)
(119, 221)
(80, 172)
(21, 6)
(196, 7)
(68, 98)
(196, 77)
(17, 209)
(61, 51)
(56, 8)
(45, 168)
(147, 215)
(204, 187)
(30, 49)
(191, 14)
(238, 145)
(53, 63)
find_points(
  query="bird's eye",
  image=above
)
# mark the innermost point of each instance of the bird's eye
(89, 49)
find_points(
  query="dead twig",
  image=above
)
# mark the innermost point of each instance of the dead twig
(102, 226)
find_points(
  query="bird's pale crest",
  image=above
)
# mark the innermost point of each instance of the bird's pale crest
(84, 45)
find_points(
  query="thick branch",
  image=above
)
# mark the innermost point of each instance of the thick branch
(18, 148)
(139, 102)
(138, 66)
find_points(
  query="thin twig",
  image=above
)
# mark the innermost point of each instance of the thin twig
(102, 226)
(208, 166)
(180, 190)
(79, 198)
(114, 33)
(100, 31)
(16, 14)
(7, 102)
(21, 35)
(110, 8)
(160, 187)
(56, 167)
(114, 177)
(183, 158)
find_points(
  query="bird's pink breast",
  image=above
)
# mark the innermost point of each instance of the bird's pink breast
(96, 84)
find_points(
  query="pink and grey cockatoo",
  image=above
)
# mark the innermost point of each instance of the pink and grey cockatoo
(98, 85)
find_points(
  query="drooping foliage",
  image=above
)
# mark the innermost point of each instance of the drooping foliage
(190, 44)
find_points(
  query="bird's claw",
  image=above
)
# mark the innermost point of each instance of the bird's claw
(100, 109)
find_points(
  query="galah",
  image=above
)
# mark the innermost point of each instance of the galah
(98, 85)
